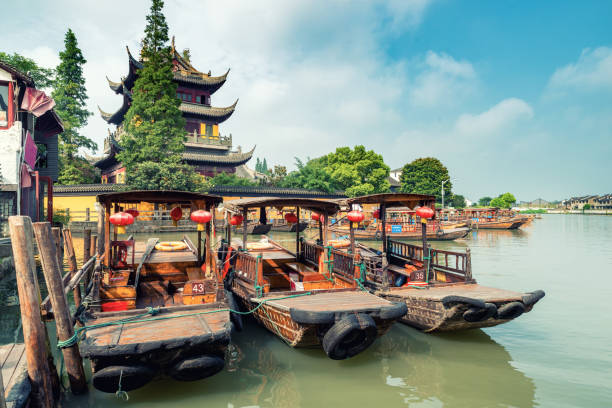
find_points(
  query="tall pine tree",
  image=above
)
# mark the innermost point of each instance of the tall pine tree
(70, 96)
(154, 127)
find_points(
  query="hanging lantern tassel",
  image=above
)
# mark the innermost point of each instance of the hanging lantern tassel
(176, 214)
(201, 217)
(120, 220)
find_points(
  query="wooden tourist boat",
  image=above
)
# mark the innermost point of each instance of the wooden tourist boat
(313, 297)
(437, 287)
(493, 218)
(155, 309)
(284, 226)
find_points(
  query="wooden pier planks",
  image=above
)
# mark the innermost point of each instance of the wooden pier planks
(13, 362)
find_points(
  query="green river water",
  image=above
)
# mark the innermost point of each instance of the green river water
(558, 355)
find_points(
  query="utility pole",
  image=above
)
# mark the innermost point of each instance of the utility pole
(442, 188)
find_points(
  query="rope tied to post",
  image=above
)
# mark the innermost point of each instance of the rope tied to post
(120, 393)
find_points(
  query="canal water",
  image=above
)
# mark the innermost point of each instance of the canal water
(558, 355)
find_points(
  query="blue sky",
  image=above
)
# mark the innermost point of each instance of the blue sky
(510, 95)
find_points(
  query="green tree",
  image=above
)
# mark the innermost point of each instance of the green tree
(277, 175)
(258, 166)
(587, 206)
(505, 200)
(425, 176)
(458, 201)
(264, 166)
(485, 201)
(357, 171)
(43, 77)
(154, 126)
(311, 176)
(226, 179)
(165, 176)
(70, 95)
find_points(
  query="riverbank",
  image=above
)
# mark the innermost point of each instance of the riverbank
(583, 212)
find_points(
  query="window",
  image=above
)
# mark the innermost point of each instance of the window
(41, 156)
(208, 130)
(198, 99)
(5, 104)
(189, 97)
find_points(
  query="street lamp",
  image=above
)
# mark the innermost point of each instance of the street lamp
(442, 189)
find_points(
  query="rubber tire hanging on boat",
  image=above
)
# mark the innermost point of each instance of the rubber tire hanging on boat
(451, 300)
(234, 317)
(532, 298)
(133, 377)
(349, 336)
(476, 314)
(510, 310)
(192, 369)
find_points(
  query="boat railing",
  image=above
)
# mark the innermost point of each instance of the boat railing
(249, 268)
(343, 264)
(311, 252)
(454, 263)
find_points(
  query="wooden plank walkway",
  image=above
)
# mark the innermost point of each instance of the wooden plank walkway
(13, 362)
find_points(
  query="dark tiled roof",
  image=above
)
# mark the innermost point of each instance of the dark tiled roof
(85, 188)
(14, 71)
(234, 159)
(201, 79)
(217, 114)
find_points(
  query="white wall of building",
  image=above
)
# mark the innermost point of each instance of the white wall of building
(10, 149)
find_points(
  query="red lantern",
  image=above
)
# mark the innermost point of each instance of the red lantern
(120, 220)
(291, 218)
(201, 217)
(355, 216)
(236, 219)
(315, 216)
(133, 212)
(176, 214)
(425, 213)
(376, 214)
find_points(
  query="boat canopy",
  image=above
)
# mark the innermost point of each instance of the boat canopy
(158, 196)
(393, 200)
(322, 206)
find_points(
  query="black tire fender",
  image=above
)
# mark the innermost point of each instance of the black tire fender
(311, 317)
(235, 318)
(475, 314)
(132, 377)
(349, 336)
(451, 300)
(532, 298)
(192, 369)
(510, 310)
(394, 312)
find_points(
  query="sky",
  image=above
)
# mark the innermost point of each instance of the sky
(510, 95)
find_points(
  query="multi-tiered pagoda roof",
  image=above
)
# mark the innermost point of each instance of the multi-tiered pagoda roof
(205, 148)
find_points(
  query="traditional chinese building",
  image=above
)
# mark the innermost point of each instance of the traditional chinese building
(205, 148)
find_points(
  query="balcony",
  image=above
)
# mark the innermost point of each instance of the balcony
(209, 139)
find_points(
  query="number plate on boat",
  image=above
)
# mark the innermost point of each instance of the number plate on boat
(418, 275)
(197, 288)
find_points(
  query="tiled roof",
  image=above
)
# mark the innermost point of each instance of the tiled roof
(217, 114)
(85, 188)
(235, 159)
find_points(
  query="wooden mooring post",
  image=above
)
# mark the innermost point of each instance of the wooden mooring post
(57, 236)
(61, 312)
(72, 264)
(86, 255)
(34, 333)
(2, 399)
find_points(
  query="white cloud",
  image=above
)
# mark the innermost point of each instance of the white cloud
(497, 119)
(443, 81)
(592, 71)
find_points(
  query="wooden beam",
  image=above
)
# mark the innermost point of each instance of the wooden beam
(29, 297)
(72, 263)
(61, 311)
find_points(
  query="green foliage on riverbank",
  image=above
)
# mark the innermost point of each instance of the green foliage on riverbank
(426, 176)
(538, 211)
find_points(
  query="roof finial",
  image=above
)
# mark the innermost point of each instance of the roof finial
(172, 43)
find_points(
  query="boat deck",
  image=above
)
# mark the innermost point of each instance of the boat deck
(337, 301)
(163, 256)
(167, 326)
(475, 291)
(13, 362)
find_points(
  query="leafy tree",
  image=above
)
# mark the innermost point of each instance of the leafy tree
(311, 176)
(70, 96)
(277, 175)
(165, 176)
(357, 171)
(43, 77)
(425, 176)
(505, 200)
(258, 167)
(587, 206)
(226, 179)
(485, 201)
(154, 126)
(458, 201)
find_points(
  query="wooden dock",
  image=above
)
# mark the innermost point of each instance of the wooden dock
(14, 374)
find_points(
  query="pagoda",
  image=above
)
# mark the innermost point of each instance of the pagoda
(206, 149)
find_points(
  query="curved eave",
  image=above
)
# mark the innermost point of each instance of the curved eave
(232, 159)
(117, 117)
(217, 115)
(201, 81)
(106, 162)
(116, 87)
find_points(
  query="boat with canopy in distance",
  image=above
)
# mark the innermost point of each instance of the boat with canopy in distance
(313, 297)
(494, 218)
(436, 285)
(155, 308)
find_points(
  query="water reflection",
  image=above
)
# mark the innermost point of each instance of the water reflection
(459, 369)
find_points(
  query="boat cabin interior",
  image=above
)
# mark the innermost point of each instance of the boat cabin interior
(140, 273)
(266, 266)
(400, 264)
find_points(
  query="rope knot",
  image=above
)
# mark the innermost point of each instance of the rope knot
(153, 311)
